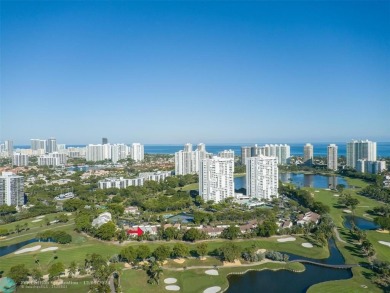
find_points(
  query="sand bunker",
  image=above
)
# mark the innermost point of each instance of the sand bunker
(179, 260)
(261, 250)
(49, 249)
(383, 231)
(347, 211)
(385, 243)
(214, 289)
(34, 221)
(34, 248)
(39, 217)
(316, 191)
(212, 272)
(286, 239)
(307, 245)
(170, 280)
(337, 195)
(172, 288)
(229, 264)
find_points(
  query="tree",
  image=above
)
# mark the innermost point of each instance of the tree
(55, 270)
(83, 223)
(229, 252)
(73, 204)
(267, 229)
(162, 252)
(36, 274)
(180, 250)
(192, 235)
(72, 269)
(348, 201)
(129, 254)
(154, 271)
(231, 232)
(383, 222)
(63, 218)
(143, 251)
(201, 249)
(170, 233)
(340, 187)
(18, 273)
(106, 231)
(116, 209)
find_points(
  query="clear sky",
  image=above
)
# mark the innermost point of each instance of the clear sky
(216, 72)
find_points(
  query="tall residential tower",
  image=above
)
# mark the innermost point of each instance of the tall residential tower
(332, 157)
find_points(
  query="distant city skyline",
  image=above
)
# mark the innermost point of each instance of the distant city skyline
(212, 72)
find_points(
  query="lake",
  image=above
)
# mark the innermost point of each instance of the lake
(301, 180)
(361, 223)
(286, 281)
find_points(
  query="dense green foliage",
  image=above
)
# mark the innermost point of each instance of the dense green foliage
(56, 236)
(304, 198)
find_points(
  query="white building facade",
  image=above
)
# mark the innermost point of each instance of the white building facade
(360, 150)
(308, 154)
(11, 189)
(262, 179)
(20, 160)
(216, 179)
(188, 161)
(332, 157)
(137, 152)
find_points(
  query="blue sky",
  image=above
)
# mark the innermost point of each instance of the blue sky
(171, 72)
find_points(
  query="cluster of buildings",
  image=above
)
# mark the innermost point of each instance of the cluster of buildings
(361, 156)
(114, 152)
(216, 173)
(50, 153)
(280, 151)
(139, 181)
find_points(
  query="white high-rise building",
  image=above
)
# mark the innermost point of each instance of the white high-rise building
(188, 161)
(137, 152)
(98, 152)
(76, 152)
(226, 154)
(51, 145)
(62, 158)
(360, 150)
(19, 160)
(119, 152)
(216, 179)
(332, 157)
(245, 153)
(9, 147)
(48, 160)
(11, 189)
(262, 179)
(308, 154)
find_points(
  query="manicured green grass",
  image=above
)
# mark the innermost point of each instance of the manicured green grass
(193, 186)
(194, 280)
(350, 250)
(26, 235)
(32, 224)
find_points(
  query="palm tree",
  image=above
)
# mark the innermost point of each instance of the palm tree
(154, 271)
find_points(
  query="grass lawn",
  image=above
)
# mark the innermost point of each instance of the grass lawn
(31, 233)
(193, 186)
(194, 280)
(350, 250)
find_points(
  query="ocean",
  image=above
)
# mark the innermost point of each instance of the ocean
(320, 149)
